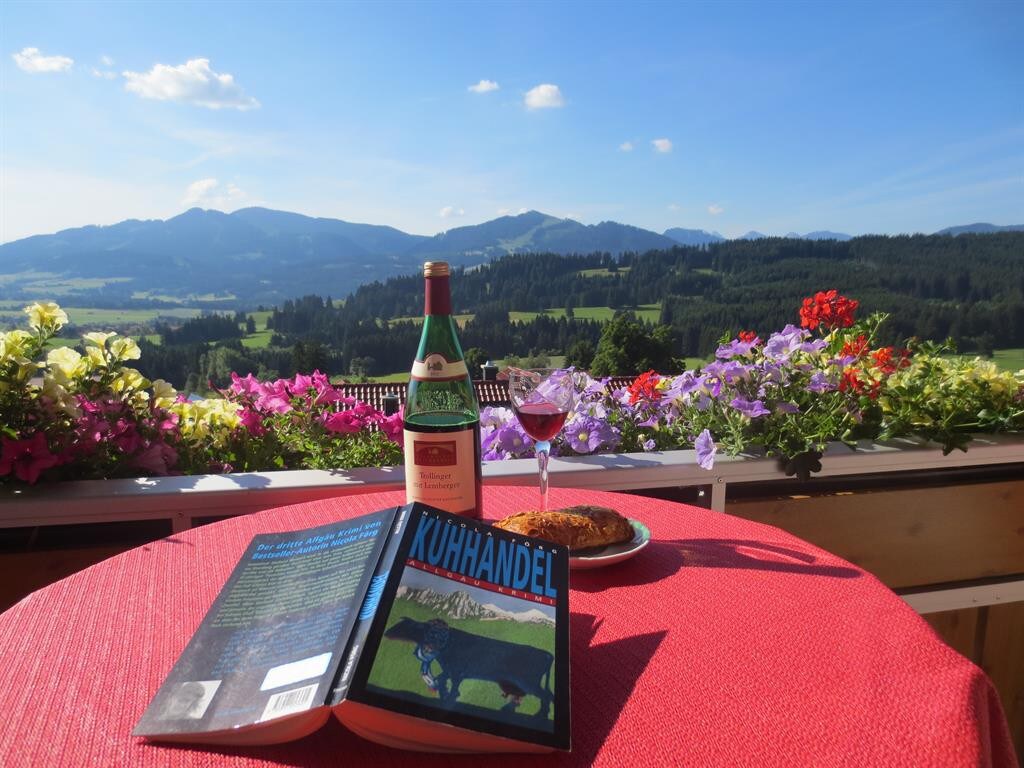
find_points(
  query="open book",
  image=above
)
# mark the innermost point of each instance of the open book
(418, 629)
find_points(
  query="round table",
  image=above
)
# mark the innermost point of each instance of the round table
(723, 643)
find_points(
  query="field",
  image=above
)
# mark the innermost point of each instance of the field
(602, 272)
(649, 312)
(94, 318)
(1009, 359)
(396, 669)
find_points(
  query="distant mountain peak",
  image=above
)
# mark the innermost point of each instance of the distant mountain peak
(980, 228)
(692, 236)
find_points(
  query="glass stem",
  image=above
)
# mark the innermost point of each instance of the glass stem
(543, 448)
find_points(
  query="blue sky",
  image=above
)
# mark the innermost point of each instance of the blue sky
(894, 117)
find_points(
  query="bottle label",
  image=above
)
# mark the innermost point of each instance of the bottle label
(435, 367)
(439, 469)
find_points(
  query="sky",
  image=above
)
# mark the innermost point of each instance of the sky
(859, 118)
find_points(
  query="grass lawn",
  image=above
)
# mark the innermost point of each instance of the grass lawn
(602, 272)
(1009, 359)
(648, 312)
(258, 340)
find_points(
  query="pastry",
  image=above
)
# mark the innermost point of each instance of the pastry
(578, 528)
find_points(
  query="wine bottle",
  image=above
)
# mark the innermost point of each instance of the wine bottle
(442, 417)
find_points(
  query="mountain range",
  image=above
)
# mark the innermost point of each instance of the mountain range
(262, 255)
(459, 605)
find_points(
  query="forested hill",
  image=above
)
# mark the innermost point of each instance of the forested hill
(934, 285)
(970, 287)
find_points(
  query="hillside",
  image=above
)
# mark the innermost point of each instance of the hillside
(257, 255)
(205, 258)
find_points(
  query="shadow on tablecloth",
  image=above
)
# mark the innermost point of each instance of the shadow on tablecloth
(662, 559)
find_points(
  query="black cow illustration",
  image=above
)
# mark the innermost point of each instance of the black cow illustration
(517, 669)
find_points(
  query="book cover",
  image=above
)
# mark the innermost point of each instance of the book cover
(472, 632)
(273, 639)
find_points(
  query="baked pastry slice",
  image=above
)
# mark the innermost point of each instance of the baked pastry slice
(578, 528)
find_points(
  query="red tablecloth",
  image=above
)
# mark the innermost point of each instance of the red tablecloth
(724, 643)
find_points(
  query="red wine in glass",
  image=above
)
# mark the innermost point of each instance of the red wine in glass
(541, 399)
(541, 421)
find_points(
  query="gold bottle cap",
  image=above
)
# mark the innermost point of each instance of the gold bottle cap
(436, 269)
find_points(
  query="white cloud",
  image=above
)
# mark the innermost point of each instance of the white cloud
(664, 146)
(190, 83)
(626, 146)
(504, 211)
(714, 209)
(106, 74)
(484, 86)
(208, 193)
(523, 210)
(31, 60)
(450, 210)
(573, 216)
(544, 96)
(674, 207)
(106, 61)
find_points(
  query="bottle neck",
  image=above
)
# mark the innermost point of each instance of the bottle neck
(438, 296)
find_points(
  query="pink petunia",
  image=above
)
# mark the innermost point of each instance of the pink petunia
(26, 458)
(345, 422)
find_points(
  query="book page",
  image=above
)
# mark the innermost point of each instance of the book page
(271, 643)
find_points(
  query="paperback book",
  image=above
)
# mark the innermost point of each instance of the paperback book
(414, 627)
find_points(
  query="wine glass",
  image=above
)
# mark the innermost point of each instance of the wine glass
(541, 399)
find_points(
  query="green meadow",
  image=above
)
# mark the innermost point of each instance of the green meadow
(1009, 359)
(603, 272)
(396, 669)
(649, 312)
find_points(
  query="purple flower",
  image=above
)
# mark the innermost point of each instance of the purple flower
(734, 348)
(784, 343)
(820, 383)
(585, 435)
(511, 438)
(706, 450)
(751, 408)
(649, 444)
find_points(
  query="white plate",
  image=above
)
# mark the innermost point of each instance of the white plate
(599, 557)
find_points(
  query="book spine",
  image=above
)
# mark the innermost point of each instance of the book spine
(369, 607)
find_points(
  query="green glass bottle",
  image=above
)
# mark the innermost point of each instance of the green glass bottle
(442, 417)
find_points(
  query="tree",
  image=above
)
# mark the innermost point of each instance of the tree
(628, 346)
(361, 367)
(250, 324)
(475, 357)
(580, 354)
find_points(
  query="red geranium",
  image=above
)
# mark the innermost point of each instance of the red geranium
(645, 387)
(855, 348)
(829, 309)
(748, 337)
(888, 361)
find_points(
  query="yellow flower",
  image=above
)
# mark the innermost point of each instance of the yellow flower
(123, 348)
(65, 364)
(45, 314)
(97, 357)
(213, 418)
(55, 391)
(26, 368)
(164, 395)
(96, 338)
(12, 344)
(129, 380)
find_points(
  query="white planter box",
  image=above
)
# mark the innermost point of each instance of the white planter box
(181, 499)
